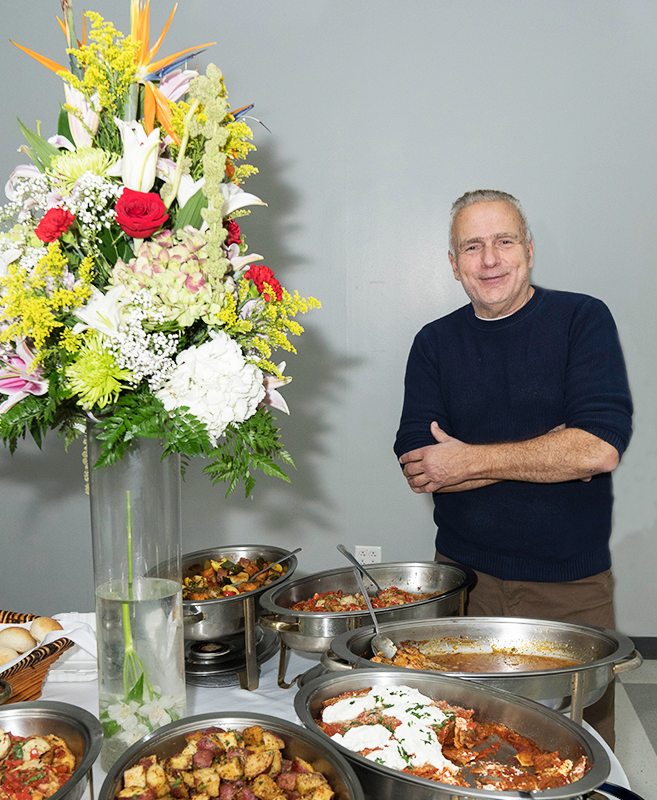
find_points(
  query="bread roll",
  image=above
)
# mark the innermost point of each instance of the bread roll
(18, 639)
(7, 654)
(43, 626)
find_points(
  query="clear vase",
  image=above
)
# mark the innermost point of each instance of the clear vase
(137, 554)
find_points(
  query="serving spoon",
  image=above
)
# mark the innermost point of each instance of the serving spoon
(379, 643)
(359, 566)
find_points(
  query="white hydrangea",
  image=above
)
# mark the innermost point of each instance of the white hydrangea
(216, 383)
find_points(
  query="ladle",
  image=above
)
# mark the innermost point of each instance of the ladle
(359, 566)
(379, 643)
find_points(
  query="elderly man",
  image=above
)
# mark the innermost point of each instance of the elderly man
(516, 411)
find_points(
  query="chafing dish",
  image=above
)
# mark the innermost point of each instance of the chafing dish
(603, 654)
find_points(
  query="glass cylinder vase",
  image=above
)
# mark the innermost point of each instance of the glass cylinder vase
(137, 555)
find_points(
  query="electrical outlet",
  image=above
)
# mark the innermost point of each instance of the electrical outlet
(367, 554)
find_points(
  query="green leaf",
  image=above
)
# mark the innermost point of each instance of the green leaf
(190, 213)
(41, 150)
(112, 244)
(110, 728)
(63, 126)
(137, 691)
(252, 445)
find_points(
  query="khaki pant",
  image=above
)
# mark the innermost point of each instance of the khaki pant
(588, 601)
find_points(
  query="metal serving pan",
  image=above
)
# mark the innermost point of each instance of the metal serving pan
(604, 654)
(206, 620)
(299, 743)
(548, 729)
(313, 632)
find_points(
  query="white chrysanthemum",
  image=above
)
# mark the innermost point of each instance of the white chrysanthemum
(216, 383)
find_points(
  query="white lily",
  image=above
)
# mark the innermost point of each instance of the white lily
(8, 257)
(102, 313)
(272, 397)
(237, 261)
(139, 155)
(235, 198)
(83, 127)
(60, 142)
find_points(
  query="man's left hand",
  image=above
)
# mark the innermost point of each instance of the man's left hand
(436, 466)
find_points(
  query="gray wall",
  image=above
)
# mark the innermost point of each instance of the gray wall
(381, 114)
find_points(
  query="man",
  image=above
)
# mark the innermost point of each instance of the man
(516, 411)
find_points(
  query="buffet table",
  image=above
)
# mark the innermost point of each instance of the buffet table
(268, 699)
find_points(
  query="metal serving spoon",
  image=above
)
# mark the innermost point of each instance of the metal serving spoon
(379, 643)
(359, 566)
(266, 569)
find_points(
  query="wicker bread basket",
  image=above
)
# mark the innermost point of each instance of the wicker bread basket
(27, 676)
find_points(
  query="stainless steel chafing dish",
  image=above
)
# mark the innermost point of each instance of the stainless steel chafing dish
(548, 729)
(313, 632)
(603, 654)
(209, 620)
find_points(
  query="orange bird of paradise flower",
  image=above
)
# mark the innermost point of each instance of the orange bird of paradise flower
(155, 103)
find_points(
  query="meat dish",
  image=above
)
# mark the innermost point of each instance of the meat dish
(410, 655)
(403, 729)
(338, 600)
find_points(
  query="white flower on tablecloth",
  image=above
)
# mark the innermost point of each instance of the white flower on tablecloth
(216, 383)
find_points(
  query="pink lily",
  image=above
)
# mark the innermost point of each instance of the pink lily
(18, 378)
(272, 397)
(83, 127)
(176, 84)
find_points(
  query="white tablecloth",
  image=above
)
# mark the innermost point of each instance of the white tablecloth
(268, 699)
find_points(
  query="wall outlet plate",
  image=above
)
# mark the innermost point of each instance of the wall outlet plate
(367, 554)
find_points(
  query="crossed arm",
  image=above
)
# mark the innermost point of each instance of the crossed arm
(451, 465)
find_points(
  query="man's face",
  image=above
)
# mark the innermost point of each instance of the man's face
(492, 261)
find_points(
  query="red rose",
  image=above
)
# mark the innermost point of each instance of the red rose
(140, 214)
(234, 232)
(55, 222)
(262, 275)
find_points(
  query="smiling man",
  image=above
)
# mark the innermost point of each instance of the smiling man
(516, 411)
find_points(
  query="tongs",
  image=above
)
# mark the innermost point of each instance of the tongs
(266, 569)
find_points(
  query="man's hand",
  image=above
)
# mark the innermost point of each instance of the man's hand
(562, 454)
(440, 467)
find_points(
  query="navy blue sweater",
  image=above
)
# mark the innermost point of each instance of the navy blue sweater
(556, 360)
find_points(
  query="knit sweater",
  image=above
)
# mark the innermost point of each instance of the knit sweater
(556, 360)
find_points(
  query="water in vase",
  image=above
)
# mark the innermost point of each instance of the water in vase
(141, 671)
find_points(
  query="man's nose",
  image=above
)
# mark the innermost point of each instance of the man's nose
(489, 255)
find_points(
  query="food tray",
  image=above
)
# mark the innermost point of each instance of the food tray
(27, 675)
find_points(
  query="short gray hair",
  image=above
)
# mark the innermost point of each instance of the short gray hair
(485, 196)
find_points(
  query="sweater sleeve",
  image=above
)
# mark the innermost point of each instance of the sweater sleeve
(598, 396)
(423, 402)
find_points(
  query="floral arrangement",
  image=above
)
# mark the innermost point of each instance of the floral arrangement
(127, 292)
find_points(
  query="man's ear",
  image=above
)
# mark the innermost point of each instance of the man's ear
(455, 267)
(530, 253)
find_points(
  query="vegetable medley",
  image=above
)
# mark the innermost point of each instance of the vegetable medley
(224, 578)
(228, 765)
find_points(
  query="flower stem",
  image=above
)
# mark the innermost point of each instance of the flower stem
(133, 666)
(171, 196)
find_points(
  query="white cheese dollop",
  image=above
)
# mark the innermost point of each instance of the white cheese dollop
(349, 708)
(363, 737)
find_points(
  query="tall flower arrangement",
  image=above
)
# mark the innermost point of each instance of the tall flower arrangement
(127, 291)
